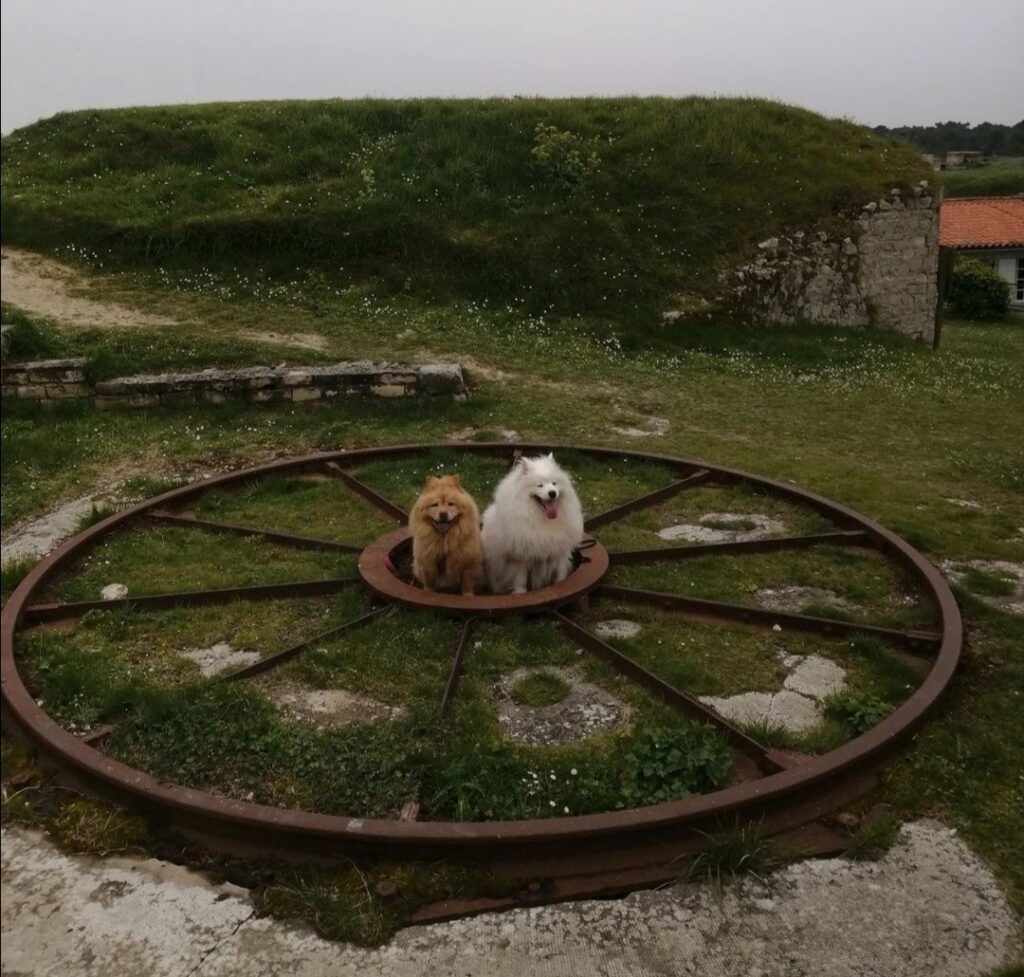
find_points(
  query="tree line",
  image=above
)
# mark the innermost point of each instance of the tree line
(989, 138)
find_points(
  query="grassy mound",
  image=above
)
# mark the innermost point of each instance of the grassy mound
(603, 207)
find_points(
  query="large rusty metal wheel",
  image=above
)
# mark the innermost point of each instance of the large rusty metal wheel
(577, 854)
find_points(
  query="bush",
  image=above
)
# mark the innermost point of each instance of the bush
(562, 155)
(979, 292)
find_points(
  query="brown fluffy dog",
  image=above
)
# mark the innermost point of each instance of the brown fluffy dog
(446, 550)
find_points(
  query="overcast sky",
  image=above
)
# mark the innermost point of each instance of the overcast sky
(892, 62)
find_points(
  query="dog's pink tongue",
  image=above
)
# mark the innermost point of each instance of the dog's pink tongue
(551, 508)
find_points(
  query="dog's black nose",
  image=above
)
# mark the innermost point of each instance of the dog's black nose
(552, 493)
(443, 517)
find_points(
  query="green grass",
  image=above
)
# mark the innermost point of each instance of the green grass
(440, 199)
(304, 505)
(873, 838)
(163, 559)
(540, 689)
(877, 591)
(889, 428)
(1003, 177)
(731, 852)
(988, 584)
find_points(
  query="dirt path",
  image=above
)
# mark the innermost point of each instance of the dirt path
(46, 288)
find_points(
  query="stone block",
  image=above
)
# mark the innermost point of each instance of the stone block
(297, 378)
(402, 378)
(440, 378)
(178, 397)
(31, 392)
(306, 393)
(388, 390)
(58, 391)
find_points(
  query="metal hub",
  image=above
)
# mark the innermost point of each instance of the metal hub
(619, 849)
(376, 564)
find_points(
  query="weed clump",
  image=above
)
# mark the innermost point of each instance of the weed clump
(857, 712)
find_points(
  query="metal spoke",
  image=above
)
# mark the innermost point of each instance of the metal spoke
(373, 497)
(457, 664)
(287, 654)
(37, 613)
(917, 641)
(682, 701)
(846, 537)
(97, 735)
(271, 536)
(644, 501)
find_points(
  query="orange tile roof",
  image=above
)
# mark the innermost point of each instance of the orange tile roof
(981, 222)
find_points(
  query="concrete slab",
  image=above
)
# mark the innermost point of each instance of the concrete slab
(617, 628)
(219, 657)
(39, 536)
(794, 599)
(816, 676)
(785, 708)
(723, 527)
(586, 710)
(331, 707)
(929, 908)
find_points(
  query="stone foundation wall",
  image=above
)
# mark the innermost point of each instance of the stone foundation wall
(46, 380)
(52, 380)
(882, 271)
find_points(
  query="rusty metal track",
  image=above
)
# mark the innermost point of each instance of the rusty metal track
(923, 642)
(458, 662)
(287, 654)
(842, 537)
(682, 701)
(270, 536)
(57, 611)
(374, 569)
(645, 501)
(573, 846)
(373, 497)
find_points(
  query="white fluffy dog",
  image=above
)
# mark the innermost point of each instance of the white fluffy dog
(532, 527)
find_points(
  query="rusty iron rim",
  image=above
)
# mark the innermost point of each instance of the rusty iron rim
(373, 568)
(790, 791)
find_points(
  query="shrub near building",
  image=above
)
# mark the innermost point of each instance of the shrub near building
(978, 291)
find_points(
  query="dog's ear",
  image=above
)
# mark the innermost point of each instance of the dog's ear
(430, 481)
(456, 481)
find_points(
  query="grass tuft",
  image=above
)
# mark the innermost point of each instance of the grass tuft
(87, 826)
(873, 838)
(730, 853)
(540, 689)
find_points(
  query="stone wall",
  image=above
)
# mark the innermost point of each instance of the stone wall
(52, 380)
(46, 380)
(880, 270)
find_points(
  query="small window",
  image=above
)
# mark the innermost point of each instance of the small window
(1018, 292)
